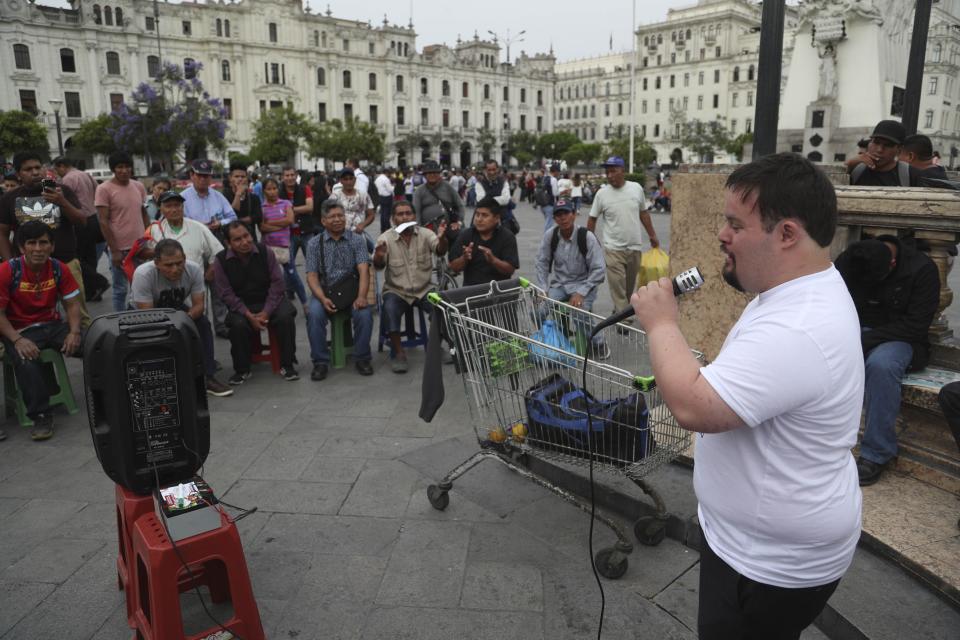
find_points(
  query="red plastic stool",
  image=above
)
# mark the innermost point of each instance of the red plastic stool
(215, 558)
(269, 352)
(130, 506)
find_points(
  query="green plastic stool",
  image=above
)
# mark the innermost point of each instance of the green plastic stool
(341, 338)
(58, 384)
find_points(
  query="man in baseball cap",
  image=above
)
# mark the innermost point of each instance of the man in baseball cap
(878, 165)
(614, 161)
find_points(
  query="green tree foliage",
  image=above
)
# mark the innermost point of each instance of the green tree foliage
(241, 158)
(20, 131)
(522, 145)
(735, 146)
(339, 141)
(94, 137)
(704, 138)
(643, 152)
(278, 134)
(583, 153)
(409, 144)
(486, 140)
(552, 146)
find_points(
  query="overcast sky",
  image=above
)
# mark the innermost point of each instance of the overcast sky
(577, 29)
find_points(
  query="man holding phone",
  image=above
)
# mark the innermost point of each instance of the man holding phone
(41, 198)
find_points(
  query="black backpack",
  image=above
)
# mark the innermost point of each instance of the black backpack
(543, 194)
(581, 243)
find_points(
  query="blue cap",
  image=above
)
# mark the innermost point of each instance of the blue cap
(563, 204)
(614, 161)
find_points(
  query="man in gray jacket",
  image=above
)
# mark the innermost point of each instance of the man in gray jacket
(437, 197)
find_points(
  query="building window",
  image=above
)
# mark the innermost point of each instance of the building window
(400, 84)
(186, 27)
(703, 54)
(228, 108)
(686, 55)
(423, 86)
(934, 81)
(523, 95)
(539, 124)
(153, 66)
(733, 126)
(718, 52)
(28, 101)
(733, 99)
(716, 76)
(646, 61)
(686, 79)
(608, 89)
(189, 68)
(465, 90)
(277, 73)
(465, 119)
(672, 81)
(72, 102)
(68, 63)
(686, 102)
(21, 56)
(523, 122)
(372, 81)
(749, 98)
(750, 73)
(699, 103)
(656, 83)
(219, 28)
(119, 17)
(445, 89)
(400, 116)
(346, 45)
(347, 80)
(116, 101)
(149, 23)
(424, 116)
(445, 118)
(225, 70)
(108, 16)
(749, 126)
(656, 131)
(323, 39)
(486, 119)
(700, 78)
(113, 63)
(347, 111)
(486, 92)
(716, 101)
(659, 59)
(373, 114)
(370, 48)
(937, 53)
(96, 14)
(927, 119)
(321, 77)
(506, 94)
(656, 106)
(644, 84)
(606, 110)
(643, 106)
(272, 30)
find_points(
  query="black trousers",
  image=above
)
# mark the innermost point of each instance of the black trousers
(29, 373)
(734, 607)
(241, 335)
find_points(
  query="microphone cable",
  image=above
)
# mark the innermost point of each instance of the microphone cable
(593, 500)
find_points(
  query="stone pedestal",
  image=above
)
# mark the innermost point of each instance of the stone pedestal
(822, 120)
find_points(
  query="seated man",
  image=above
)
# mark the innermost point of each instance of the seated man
(331, 256)
(30, 287)
(172, 281)
(570, 266)
(486, 251)
(896, 290)
(249, 280)
(198, 243)
(407, 256)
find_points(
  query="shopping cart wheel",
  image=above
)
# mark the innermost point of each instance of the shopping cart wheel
(439, 499)
(650, 530)
(611, 564)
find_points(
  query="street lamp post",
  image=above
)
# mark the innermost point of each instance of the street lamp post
(507, 42)
(55, 104)
(633, 83)
(143, 107)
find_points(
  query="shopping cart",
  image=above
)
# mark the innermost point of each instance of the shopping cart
(526, 400)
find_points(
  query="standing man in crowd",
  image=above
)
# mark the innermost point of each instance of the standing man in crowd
(435, 197)
(246, 204)
(486, 251)
(778, 408)
(493, 183)
(332, 255)
(172, 281)
(896, 290)
(879, 165)
(407, 259)
(88, 235)
(385, 192)
(354, 202)
(304, 226)
(570, 265)
(917, 151)
(550, 185)
(55, 205)
(210, 207)
(123, 219)
(622, 207)
(249, 280)
(362, 182)
(30, 288)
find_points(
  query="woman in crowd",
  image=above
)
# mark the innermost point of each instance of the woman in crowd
(160, 185)
(275, 229)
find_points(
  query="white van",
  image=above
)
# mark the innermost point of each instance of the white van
(100, 175)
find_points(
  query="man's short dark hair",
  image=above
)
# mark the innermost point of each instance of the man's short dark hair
(788, 185)
(490, 161)
(167, 247)
(919, 145)
(491, 205)
(20, 157)
(63, 161)
(328, 206)
(233, 224)
(404, 203)
(33, 230)
(238, 166)
(286, 168)
(118, 158)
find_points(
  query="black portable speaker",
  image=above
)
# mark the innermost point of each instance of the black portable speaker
(146, 397)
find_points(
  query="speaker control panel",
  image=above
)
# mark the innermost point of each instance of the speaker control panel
(155, 408)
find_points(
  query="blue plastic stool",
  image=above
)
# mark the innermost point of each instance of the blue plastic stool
(410, 337)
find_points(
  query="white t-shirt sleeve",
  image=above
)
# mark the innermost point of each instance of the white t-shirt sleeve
(767, 370)
(195, 273)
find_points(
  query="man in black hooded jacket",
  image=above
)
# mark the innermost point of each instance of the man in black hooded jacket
(896, 290)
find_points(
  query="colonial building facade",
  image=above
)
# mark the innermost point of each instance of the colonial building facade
(261, 54)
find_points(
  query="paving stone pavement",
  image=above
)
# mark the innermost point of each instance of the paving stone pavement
(344, 543)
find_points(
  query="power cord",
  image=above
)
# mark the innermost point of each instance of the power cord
(593, 501)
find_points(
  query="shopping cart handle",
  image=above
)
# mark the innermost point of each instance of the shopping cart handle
(645, 383)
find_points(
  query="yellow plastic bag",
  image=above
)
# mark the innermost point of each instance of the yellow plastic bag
(654, 264)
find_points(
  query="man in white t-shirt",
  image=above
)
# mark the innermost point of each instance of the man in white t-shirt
(778, 409)
(622, 207)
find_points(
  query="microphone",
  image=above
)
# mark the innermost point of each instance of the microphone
(685, 282)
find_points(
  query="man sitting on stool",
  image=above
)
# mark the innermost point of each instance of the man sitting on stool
(30, 287)
(167, 282)
(248, 279)
(570, 265)
(407, 255)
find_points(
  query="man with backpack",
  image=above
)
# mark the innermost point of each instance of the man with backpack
(546, 194)
(878, 165)
(30, 288)
(570, 265)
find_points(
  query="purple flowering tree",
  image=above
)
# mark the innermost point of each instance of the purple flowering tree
(181, 122)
